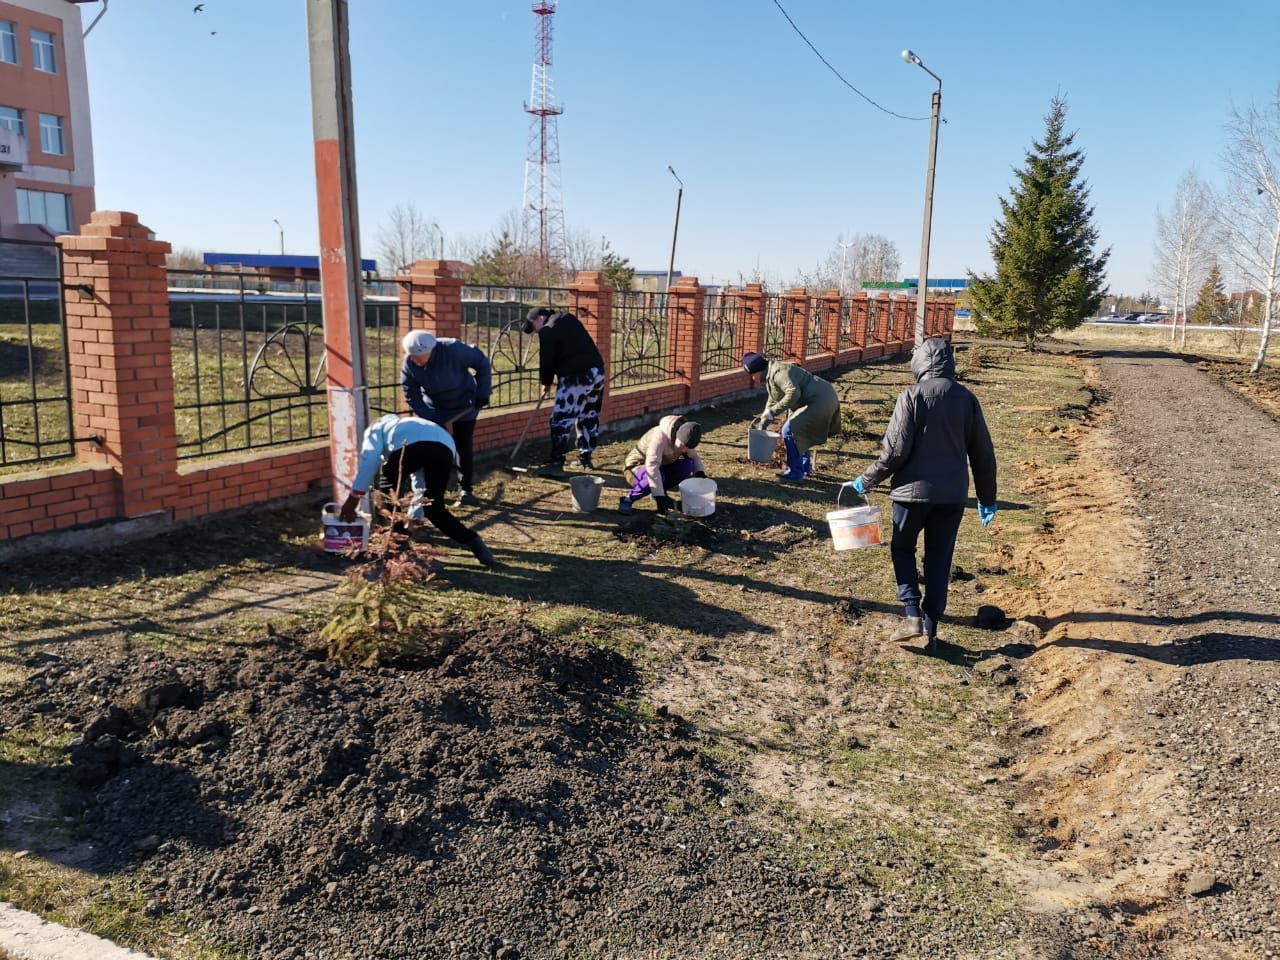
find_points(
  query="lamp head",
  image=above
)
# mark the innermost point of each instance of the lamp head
(909, 57)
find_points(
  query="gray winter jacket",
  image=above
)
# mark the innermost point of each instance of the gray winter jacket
(937, 426)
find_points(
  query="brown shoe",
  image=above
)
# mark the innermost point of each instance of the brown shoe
(908, 629)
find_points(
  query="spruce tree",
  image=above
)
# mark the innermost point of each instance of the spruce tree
(1048, 275)
(1211, 304)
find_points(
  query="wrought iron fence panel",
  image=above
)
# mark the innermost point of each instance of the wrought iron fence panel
(249, 362)
(872, 317)
(35, 375)
(641, 348)
(846, 324)
(493, 321)
(722, 333)
(813, 340)
(776, 312)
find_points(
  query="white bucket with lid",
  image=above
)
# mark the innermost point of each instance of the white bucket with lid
(853, 528)
(586, 493)
(698, 497)
(339, 536)
(761, 445)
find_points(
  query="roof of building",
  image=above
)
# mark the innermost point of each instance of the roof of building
(274, 261)
(657, 273)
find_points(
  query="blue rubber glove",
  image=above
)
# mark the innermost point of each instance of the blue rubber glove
(986, 514)
(860, 487)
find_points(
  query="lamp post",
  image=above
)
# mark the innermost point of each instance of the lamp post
(277, 223)
(435, 227)
(910, 57)
(671, 265)
(844, 265)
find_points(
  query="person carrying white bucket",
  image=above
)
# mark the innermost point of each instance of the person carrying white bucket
(413, 454)
(936, 435)
(809, 403)
(660, 461)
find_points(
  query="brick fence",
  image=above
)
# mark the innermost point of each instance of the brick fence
(120, 361)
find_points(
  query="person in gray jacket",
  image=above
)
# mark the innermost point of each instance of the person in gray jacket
(936, 435)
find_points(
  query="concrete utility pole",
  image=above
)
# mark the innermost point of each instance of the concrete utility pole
(911, 58)
(341, 287)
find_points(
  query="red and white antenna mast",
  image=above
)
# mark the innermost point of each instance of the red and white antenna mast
(542, 218)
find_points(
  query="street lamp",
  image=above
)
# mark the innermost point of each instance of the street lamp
(435, 226)
(277, 223)
(910, 57)
(671, 266)
(844, 265)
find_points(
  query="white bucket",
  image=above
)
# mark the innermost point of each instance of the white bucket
(855, 527)
(761, 445)
(698, 497)
(586, 493)
(338, 535)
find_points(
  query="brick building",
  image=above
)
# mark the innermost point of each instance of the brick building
(46, 143)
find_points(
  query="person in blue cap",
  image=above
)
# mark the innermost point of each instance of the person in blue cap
(936, 435)
(448, 382)
(413, 454)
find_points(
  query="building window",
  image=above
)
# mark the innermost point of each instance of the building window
(8, 43)
(11, 119)
(43, 57)
(53, 210)
(51, 139)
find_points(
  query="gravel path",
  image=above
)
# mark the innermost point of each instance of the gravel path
(1206, 467)
(27, 937)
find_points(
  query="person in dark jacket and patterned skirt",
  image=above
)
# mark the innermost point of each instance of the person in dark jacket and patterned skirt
(448, 382)
(569, 356)
(936, 435)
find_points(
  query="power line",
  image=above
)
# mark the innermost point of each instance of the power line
(839, 76)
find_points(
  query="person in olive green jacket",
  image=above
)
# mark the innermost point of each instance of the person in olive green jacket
(809, 403)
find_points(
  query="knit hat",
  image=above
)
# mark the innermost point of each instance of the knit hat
(418, 343)
(689, 434)
(754, 363)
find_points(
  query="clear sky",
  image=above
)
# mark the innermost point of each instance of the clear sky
(208, 137)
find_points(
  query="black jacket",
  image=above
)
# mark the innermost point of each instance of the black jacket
(936, 432)
(565, 348)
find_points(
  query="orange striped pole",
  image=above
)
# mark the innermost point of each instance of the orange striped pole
(341, 287)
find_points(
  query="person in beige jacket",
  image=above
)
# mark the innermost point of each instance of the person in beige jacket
(663, 458)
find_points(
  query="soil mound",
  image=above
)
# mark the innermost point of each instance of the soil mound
(501, 799)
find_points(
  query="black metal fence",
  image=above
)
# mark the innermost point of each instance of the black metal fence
(35, 377)
(248, 361)
(723, 335)
(641, 347)
(776, 312)
(813, 342)
(493, 320)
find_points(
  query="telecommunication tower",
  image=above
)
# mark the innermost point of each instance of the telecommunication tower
(542, 217)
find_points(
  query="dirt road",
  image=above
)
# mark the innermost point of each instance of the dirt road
(1205, 468)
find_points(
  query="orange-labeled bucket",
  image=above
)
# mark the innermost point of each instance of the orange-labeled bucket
(854, 528)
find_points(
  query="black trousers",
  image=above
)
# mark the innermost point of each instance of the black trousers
(940, 523)
(463, 438)
(435, 460)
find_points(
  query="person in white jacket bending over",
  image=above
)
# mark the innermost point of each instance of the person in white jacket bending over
(413, 453)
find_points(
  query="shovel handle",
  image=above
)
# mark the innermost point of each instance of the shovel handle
(525, 432)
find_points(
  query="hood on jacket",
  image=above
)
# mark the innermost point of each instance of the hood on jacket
(933, 358)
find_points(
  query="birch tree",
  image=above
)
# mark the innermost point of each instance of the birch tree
(1183, 246)
(1250, 217)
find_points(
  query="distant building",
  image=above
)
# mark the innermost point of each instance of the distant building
(46, 139)
(270, 266)
(652, 281)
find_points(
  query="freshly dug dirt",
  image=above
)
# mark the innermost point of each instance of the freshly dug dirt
(501, 800)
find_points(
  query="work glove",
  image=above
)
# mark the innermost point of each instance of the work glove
(481, 402)
(986, 514)
(348, 512)
(700, 474)
(664, 503)
(858, 486)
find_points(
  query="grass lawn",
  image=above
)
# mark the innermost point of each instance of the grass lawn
(879, 765)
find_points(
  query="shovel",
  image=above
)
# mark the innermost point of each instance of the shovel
(511, 461)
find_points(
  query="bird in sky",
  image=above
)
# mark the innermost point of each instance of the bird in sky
(197, 8)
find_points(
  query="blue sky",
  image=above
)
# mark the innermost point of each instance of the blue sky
(208, 138)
